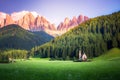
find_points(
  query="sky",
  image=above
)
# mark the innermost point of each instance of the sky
(56, 10)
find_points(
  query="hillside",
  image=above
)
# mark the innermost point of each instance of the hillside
(13, 36)
(113, 54)
(93, 37)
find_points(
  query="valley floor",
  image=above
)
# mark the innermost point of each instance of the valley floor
(43, 69)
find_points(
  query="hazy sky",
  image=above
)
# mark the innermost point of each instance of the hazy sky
(56, 10)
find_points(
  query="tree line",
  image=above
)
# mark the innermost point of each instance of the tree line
(11, 54)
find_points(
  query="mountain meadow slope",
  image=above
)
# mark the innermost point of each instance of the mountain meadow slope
(93, 37)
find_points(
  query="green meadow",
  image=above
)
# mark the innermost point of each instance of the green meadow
(105, 67)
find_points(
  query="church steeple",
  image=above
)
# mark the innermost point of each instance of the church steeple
(80, 56)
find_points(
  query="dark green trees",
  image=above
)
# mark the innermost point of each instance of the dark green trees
(13, 36)
(13, 54)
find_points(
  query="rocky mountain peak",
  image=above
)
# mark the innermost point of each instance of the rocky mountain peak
(71, 23)
(8, 20)
(67, 20)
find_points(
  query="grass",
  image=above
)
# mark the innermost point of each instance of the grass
(113, 54)
(43, 69)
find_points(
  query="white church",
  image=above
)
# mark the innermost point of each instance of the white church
(82, 57)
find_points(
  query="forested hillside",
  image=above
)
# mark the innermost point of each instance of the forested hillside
(15, 37)
(93, 37)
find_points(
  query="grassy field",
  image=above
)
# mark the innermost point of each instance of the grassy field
(105, 67)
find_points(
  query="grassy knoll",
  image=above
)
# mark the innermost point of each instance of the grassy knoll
(40, 69)
(113, 54)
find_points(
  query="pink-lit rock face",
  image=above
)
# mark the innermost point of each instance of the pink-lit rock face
(2, 15)
(27, 20)
(41, 23)
(18, 15)
(34, 22)
(85, 18)
(74, 21)
(66, 21)
(2, 23)
(80, 19)
(69, 24)
(8, 20)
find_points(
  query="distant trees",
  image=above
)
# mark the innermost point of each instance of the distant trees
(12, 54)
(94, 37)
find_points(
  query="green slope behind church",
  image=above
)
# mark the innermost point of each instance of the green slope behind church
(13, 36)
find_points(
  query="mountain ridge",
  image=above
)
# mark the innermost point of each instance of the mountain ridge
(34, 22)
